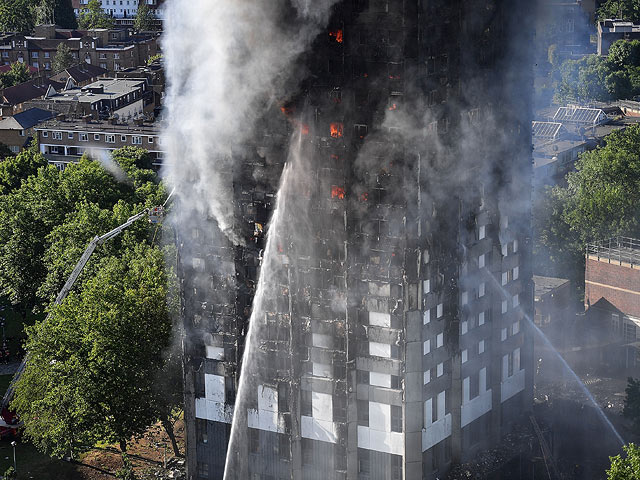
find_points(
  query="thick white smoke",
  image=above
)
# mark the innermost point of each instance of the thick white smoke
(224, 60)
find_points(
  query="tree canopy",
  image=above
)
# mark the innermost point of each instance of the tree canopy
(627, 468)
(18, 73)
(16, 16)
(601, 200)
(622, 9)
(94, 17)
(144, 18)
(616, 76)
(63, 58)
(96, 360)
(64, 15)
(32, 215)
(632, 402)
(93, 363)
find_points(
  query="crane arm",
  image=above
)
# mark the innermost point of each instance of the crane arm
(67, 288)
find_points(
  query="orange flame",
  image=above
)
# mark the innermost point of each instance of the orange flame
(334, 157)
(337, 36)
(393, 107)
(305, 129)
(337, 130)
(337, 192)
(364, 197)
(288, 111)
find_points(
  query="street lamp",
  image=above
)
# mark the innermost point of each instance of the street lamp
(13, 444)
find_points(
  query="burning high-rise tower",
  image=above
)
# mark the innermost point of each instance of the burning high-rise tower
(363, 238)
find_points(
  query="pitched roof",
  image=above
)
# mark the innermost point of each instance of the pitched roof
(580, 115)
(83, 72)
(27, 119)
(547, 129)
(28, 91)
(6, 68)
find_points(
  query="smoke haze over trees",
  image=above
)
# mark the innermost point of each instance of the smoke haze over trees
(616, 76)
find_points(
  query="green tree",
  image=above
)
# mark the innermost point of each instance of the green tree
(14, 170)
(64, 14)
(18, 73)
(619, 85)
(632, 402)
(16, 16)
(624, 53)
(601, 200)
(627, 468)
(622, 9)
(63, 58)
(94, 17)
(583, 80)
(144, 18)
(93, 362)
(29, 214)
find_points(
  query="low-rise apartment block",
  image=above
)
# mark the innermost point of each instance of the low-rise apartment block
(17, 132)
(612, 295)
(122, 99)
(111, 49)
(65, 141)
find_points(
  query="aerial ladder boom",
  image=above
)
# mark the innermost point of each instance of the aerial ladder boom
(153, 214)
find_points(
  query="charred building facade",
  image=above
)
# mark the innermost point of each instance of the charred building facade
(383, 317)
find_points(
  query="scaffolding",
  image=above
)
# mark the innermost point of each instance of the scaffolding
(619, 250)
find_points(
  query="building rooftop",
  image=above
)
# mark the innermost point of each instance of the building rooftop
(28, 90)
(104, 89)
(544, 285)
(617, 26)
(26, 119)
(100, 126)
(547, 129)
(580, 115)
(623, 251)
(82, 72)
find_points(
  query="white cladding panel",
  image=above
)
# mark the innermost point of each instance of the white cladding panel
(214, 387)
(512, 386)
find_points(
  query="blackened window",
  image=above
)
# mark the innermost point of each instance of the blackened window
(363, 413)
(395, 382)
(307, 452)
(396, 467)
(362, 377)
(363, 461)
(396, 419)
(395, 352)
(201, 430)
(199, 384)
(283, 397)
(284, 447)
(305, 403)
(339, 408)
(203, 470)
(230, 390)
(360, 5)
(254, 440)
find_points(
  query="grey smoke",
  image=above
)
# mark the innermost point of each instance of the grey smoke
(225, 61)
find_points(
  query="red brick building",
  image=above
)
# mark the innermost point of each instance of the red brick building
(612, 294)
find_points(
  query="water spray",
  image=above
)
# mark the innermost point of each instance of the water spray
(564, 363)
